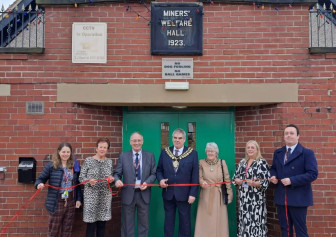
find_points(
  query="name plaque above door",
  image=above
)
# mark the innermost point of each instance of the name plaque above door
(176, 28)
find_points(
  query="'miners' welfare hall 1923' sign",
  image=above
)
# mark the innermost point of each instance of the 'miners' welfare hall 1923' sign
(176, 28)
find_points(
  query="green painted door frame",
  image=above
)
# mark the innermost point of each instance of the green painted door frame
(211, 126)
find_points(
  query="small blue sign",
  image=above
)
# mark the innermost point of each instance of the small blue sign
(176, 28)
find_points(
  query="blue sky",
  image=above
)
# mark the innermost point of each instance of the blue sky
(6, 3)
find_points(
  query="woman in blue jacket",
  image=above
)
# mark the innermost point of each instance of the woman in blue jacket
(62, 171)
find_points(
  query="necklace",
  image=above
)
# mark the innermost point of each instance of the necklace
(176, 160)
(211, 163)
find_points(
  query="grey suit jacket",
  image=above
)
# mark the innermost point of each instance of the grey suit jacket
(125, 170)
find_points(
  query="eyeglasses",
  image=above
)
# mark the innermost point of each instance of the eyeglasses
(136, 140)
(211, 151)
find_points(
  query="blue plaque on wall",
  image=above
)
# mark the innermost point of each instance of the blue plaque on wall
(176, 28)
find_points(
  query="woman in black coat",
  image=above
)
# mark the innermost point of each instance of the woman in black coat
(62, 171)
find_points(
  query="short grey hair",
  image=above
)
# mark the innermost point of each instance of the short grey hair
(136, 133)
(212, 145)
(180, 130)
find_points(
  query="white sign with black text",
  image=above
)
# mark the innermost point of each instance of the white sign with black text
(177, 68)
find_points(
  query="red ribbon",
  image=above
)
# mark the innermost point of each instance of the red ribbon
(286, 212)
(4, 229)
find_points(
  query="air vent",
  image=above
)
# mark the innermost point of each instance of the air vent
(35, 108)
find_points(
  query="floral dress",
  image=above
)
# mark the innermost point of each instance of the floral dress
(252, 200)
(97, 198)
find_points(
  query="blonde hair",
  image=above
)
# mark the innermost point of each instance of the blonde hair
(258, 157)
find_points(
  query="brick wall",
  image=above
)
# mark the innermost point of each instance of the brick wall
(317, 132)
(39, 135)
(242, 44)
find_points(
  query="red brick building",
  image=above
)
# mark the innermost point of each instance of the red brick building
(256, 75)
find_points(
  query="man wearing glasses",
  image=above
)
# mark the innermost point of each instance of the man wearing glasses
(136, 167)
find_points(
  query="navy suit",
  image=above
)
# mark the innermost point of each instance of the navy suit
(301, 169)
(177, 196)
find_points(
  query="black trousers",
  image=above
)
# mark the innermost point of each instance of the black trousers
(97, 227)
(183, 208)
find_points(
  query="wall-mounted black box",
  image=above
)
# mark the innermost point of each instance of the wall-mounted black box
(27, 170)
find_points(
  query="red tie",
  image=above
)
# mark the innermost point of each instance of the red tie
(287, 154)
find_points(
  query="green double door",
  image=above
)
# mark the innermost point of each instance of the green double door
(201, 127)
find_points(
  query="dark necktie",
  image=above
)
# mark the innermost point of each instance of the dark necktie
(176, 154)
(287, 154)
(137, 167)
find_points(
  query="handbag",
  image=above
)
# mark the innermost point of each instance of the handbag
(224, 189)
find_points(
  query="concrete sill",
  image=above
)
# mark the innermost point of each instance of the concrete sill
(316, 50)
(22, 50)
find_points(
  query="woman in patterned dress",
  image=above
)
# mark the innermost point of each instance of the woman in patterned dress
(251, 177)
(212, 216)
(97, 197)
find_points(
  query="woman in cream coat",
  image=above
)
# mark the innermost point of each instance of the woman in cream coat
(212, 217)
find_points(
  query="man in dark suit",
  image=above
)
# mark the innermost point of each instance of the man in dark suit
(293, 170)
(178, 165)
(136, 167)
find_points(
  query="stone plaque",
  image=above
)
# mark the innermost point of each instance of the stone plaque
(89, 42)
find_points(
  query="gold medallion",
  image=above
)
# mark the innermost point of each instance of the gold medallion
(175, 164)
(175, 159)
